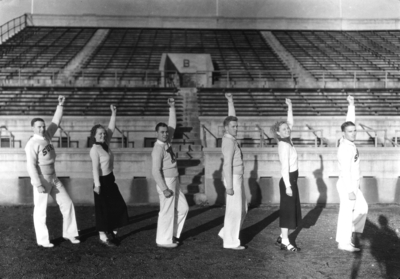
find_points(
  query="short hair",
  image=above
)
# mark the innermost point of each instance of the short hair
(36, 120)
(161, 124)
(275, 128)
(347, 124)
(229, 119)
(93, 132)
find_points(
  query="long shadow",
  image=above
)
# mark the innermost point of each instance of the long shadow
(384, 246)
(254, 186)
(247, 234)
(219, 185)
(89, 232)
(203, 228)
(152, 226)
(313, 215)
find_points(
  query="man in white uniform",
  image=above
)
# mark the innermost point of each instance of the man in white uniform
(353, 207)
(173, 204)
(40, 158)
(236, 203)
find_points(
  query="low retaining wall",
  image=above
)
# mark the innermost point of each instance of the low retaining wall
(318, 172)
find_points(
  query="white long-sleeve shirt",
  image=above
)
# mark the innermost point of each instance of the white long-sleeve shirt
(349, 160)
(40, 153)
(164, 162)
(102, 161)
(287, 153)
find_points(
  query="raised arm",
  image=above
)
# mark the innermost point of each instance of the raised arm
(231, 105)
(290, 120)
(55, 122)
(172, 118)
(351, 110)
(111, 125)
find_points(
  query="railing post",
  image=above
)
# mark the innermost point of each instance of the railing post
(376, 139)
(322, 136)
(115, 79)
(19, 76)
(204, 137)
(386, 79)
(355, 79)
(227, 79)
(262, 137)
(145, 78)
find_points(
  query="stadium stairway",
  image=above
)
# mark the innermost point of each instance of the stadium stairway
(188, 145)
(304, 78)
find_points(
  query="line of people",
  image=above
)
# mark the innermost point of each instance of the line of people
(111, 210)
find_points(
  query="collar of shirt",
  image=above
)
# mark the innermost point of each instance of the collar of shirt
(229, 136)
(346, 141)
(166, 144)
(38, 137)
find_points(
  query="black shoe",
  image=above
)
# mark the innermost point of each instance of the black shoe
(278, 241)
(355, 240)
(113, 238)
(176, 240)
(108, 243)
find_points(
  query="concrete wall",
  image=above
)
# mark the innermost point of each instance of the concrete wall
(212, 22)
(318, 172)
(132, 169)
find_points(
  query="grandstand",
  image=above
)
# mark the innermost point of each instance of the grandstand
(96, 65)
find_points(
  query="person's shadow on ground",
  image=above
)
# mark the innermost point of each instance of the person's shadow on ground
(313, 215)
(254, 186)
(384, 247)
(219, 184)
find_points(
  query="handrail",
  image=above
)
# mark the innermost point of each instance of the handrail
(261, 135)
(60, 139)
(314, 132)
(8, 30)
(9, 132)
(205, 135)
(122, 138)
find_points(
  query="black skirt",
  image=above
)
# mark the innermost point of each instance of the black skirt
(290, 210)
(110, 207)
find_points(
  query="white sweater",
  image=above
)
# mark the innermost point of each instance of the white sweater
(40, 153)
(102, 161)
(349, 160)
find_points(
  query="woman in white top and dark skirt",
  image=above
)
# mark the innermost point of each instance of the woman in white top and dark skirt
(290, 210)
(110, 207)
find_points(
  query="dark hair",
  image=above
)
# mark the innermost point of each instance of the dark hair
(275, 128)
(229, 119)
(161, 124)
(35, 120)
(93, 132)
(347, 124)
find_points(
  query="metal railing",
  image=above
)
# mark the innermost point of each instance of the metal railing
(373, 133)
(10, 28)
(385, 76)
(10, 136)
(119, 78)
(205, 129)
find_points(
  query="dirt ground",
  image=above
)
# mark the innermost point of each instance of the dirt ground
(201, 254)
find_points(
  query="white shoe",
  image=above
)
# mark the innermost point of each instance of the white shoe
(47, 245)
(348, 247)
(73, 240)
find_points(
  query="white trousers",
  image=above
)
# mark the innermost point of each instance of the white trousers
(56, 189)
(235, 212)
(173, 212)
(352, 215)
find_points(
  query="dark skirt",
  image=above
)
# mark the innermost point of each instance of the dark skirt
(290, 210)
(110, 207)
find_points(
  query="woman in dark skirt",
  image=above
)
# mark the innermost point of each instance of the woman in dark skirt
(290, 210)
(110, 207)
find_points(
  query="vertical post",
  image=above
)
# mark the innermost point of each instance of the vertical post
(227, 79)
(145, 78)
(262, 137)
(115, 78)
(395, 138)
(386, 79)
(19, 76)
(204, 137)
(355, 78)
(68, 140)
(322, 136)
(376, 139)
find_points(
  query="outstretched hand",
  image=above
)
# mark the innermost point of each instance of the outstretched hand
(350, 99)
(61, 100)
(288, 102)
(171, 102)
(229, 97)
(113, 109)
